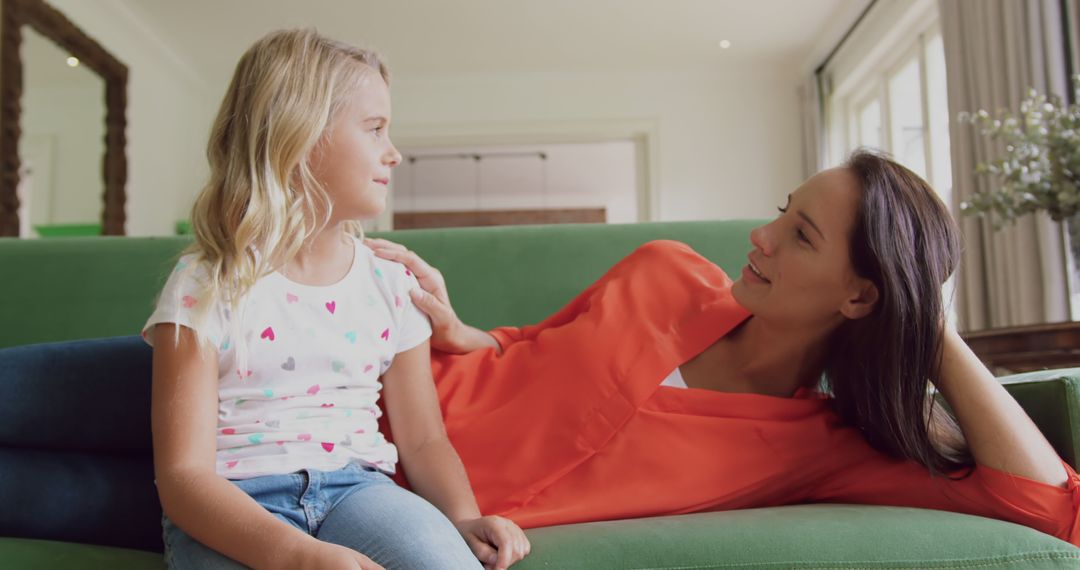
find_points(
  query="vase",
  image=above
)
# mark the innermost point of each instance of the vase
(1072, 235)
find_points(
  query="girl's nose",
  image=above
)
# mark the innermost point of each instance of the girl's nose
(393, 158)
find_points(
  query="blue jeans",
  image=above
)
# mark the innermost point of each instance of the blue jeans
(356, 507)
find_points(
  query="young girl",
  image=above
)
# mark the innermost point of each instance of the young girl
(276, 331)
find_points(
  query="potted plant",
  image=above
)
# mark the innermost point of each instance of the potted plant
(1040, 170)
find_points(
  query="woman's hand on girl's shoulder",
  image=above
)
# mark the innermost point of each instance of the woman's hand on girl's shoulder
(448, 333)
(496, 541)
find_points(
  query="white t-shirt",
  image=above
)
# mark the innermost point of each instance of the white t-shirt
(675, 379)
(307, 396)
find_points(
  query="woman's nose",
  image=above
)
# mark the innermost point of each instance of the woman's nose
(761, 238)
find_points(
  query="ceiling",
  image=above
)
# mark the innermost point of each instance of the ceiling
(505, 36)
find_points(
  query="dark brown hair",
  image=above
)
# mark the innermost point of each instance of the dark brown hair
(879, 367)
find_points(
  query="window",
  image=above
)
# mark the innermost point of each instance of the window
(901, 107)
(889, 93)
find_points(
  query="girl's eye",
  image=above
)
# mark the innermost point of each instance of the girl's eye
(802, 236)
(782, 210)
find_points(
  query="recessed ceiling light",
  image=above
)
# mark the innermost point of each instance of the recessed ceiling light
(73, 61)
(724, 44)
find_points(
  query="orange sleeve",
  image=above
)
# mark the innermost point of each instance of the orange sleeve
(877, 479)
(658, 256)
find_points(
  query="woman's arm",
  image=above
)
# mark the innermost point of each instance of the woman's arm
(215, 512)
(432, 465)
(448, 333)
(999, 433)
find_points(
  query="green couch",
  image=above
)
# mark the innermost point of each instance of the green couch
(89, 501)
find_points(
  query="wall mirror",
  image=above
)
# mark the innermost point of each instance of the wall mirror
(62, 122)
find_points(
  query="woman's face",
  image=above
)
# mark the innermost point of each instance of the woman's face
(799, 273)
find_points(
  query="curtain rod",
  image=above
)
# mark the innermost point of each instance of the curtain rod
(847, 34)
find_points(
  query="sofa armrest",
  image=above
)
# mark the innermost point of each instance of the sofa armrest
(1052, 399)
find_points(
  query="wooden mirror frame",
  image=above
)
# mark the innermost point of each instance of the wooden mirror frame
(52, 24)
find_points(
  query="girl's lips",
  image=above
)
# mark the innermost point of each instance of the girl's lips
(383, 181)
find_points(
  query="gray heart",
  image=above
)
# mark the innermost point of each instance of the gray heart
(273, 423)
(289, 365)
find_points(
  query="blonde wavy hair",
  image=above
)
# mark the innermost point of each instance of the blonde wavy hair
(262, 202)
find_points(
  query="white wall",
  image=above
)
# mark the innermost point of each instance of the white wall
(168, 116)
(725, 142)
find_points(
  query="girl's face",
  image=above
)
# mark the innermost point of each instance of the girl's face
(800, 274)
(354, 157)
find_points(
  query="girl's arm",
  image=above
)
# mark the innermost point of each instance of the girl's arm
(432, 465)
(212, 510)
(999, 433)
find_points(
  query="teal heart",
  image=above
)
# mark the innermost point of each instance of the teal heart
(255, 438)
(351, 335)
(268, 393)
(180, 265)
(225, 344)
(337, 365)
(378, 273)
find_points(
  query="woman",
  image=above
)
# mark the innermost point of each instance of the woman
(805, 380)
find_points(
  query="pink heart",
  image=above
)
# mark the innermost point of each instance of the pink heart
(331, 306)
(359, 431)
(385, 334)
(313, 390)
(290, 298)
(268, 332)
(368, 368)
(231, 464)
(188, 301)
(241, 374)
(328, 447)
(408, 273)
(228, 431)
(280, 442)
(326, 406)
(304, 437)
(397, 301)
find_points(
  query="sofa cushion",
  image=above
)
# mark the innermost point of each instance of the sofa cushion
(75, 447)
(805, 536)
(52, 555)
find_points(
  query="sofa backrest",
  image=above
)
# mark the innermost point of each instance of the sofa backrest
(64, 289)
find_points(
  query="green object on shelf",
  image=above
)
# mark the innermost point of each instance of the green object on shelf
(68, 230)
(183, 227)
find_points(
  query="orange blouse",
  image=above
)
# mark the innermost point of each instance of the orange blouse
(570, 423)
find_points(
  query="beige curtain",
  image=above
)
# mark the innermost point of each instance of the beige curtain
(995, 50)
(811, 107)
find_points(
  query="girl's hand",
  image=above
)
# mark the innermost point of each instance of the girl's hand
(319, 555)
(448, 333)
(496, 541)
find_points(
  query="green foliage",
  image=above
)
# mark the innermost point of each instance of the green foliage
(1041, 166)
